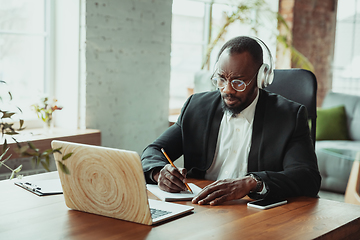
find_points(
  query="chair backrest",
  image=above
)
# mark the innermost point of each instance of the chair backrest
(300, 86)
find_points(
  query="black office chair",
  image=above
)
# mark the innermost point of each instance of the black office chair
(300, 86)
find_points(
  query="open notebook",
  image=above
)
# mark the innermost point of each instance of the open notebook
(170, 197)
(110, 182)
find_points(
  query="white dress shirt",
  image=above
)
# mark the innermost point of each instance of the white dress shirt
(233, 145)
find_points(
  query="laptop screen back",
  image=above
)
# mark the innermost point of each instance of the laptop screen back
(104, 181)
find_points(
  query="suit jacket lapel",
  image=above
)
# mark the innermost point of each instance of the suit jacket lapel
(257, 135)
(214, 131)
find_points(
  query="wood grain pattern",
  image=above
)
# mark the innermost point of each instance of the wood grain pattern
(104, 181)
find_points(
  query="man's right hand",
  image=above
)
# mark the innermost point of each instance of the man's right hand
(169, 179)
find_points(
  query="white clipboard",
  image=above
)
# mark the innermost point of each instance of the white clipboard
(42, 187)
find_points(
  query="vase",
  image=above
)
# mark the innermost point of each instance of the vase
(49, 126)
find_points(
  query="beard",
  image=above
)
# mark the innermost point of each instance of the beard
(232, 110)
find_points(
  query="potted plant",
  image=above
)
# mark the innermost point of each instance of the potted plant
(8, 128)
(45, 112)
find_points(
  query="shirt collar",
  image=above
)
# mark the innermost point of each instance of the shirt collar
(248, 113)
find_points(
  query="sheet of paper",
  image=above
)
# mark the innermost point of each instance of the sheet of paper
(168, 197)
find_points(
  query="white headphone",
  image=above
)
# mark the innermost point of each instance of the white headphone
(266, 71)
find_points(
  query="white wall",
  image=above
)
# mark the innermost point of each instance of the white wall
(127, 57)
(66, 74)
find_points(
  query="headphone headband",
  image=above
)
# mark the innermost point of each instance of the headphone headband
(266, 71)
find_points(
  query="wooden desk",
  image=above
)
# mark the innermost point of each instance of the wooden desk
(27, 216)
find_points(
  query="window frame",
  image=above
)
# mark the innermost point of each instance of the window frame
(48, 35)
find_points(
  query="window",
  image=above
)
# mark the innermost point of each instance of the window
(186, 48)
(346, 74)
(25, 61)
(194, 22)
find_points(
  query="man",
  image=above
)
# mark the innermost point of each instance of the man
(250, 141)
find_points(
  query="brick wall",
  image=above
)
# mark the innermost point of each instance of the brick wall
(313, 25)
(128, 70)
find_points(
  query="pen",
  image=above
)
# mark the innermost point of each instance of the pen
(172, 164)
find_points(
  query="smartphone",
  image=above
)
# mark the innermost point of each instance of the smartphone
(266, 203)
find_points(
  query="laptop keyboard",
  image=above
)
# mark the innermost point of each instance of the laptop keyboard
(155, 213)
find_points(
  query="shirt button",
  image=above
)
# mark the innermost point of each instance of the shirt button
(226, 172)
(238, 130)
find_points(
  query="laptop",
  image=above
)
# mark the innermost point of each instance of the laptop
(110, 182)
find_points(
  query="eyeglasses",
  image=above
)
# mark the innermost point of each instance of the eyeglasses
(237, 84)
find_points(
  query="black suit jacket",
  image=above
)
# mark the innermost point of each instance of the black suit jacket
(281, 152)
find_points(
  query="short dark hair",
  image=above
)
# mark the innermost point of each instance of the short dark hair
(244, 44)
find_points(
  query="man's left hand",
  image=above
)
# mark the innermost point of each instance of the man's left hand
(225, 190)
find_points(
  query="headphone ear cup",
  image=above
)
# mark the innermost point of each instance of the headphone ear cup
(262, 78)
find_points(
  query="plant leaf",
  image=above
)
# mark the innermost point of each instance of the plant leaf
(63, 168)
(29, 154)
(18, 169)
(47, 159)
(3, 154)
(33, 161)
(12, 175)
(3, 161)
(57, 150)
(11, 133)
(23, 149)
(21, 123)
(7, 114)
(17, 143)
(47, 152)
(5, 146)
(32, 146)
(46, 166)
(67, 156)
